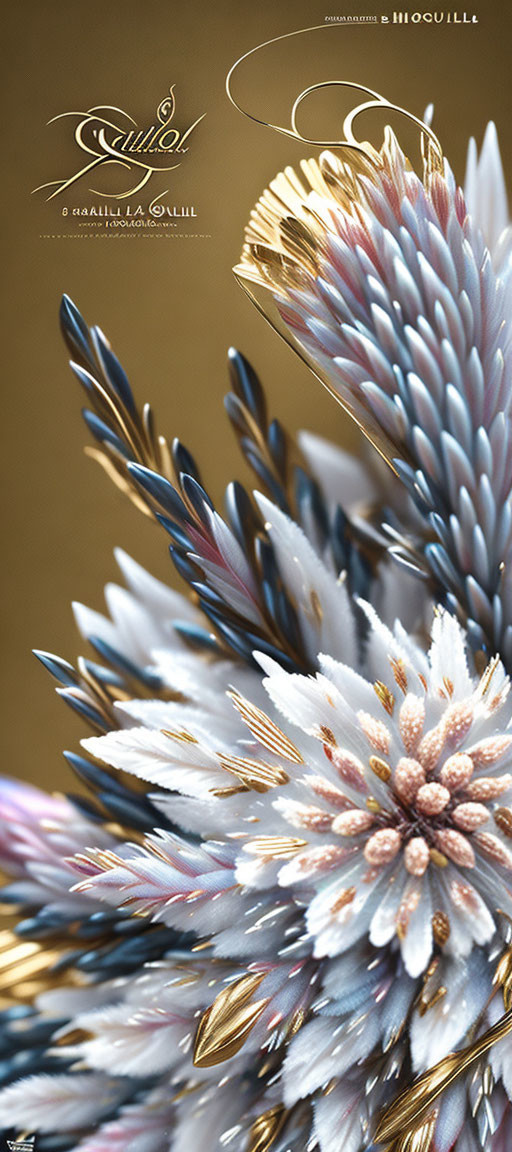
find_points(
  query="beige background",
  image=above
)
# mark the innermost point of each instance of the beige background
(171, 308)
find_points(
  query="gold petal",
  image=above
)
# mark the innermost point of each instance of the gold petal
(267, 1128)
(440, 928)
(226, 1024)
(503, 977)
(419, 1139)
(380, 768)
(385, 696)
(399, 672)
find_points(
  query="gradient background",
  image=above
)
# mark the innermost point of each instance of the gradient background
(171, 308)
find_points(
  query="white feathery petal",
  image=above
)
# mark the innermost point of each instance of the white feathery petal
(484, 187)
(322, 602)
(336, 1047)
(151, 1039)
(159, 599)
(447, 656)
(172, 763)
(141, 1127)
(59, 1103)
(467, 985)
(344, 478)
(339, 1118)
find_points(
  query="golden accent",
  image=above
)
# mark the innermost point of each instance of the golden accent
(425, 1005)
(316, 607)
(74, 1036)
(385, 696)
(226, 1024)
(267, 1128)
(26, 967)
(345, 897)
(430, 147)
(182, 737)
(399, 673)
(265, 730)
(328, 737)
(254, 773)
(373, 805)
(134, 430)
(280, 847)
(440, 928)
(380, 768)
(488, 673)
(438, 858)
(503, 818)
(419, 1139)
(411, 1105)
(234, 790)
(117, 477)
(503, 977)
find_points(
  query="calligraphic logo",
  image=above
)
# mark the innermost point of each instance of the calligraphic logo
(21, 1145)
(111, 137)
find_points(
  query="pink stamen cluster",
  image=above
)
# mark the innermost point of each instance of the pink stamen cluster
(437, 800)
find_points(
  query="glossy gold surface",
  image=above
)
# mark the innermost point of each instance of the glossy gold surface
(411, 1110)
(226, 1024)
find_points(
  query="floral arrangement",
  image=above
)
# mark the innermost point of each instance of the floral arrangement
(278, 915)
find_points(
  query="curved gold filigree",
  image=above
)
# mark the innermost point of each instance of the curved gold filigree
(430, 147)
(286, 232)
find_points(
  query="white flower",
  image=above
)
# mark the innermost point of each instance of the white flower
(404, 820)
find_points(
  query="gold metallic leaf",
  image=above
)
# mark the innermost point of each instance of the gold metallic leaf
(267, 1128)
(118, 479)
(28, 968)
(410, 1107)
(503, 977)
(226, 1024)
(385, 696)
(419, 1139)
(380, 768)
(399, 672)
(181, 737)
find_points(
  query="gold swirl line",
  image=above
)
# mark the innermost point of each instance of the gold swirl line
(350, 141)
